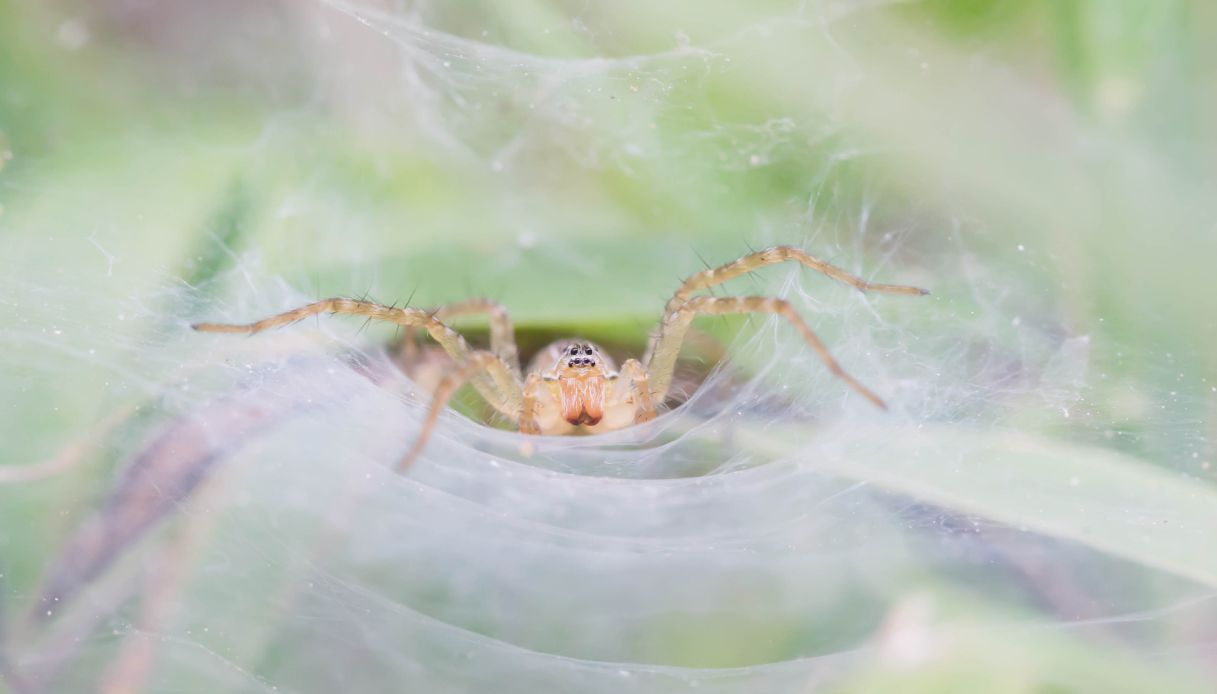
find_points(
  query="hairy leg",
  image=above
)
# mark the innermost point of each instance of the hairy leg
(476, 362)
(501, 390)
(674, 326)
(502, 331)
(771, 256)
(755, 261)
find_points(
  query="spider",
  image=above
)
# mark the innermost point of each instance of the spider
(572, 386)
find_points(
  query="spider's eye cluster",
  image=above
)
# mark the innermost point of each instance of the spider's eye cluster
(577, 360)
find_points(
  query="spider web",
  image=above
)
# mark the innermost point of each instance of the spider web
(775, 533)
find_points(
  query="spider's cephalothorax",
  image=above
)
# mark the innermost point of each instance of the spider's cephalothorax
(580, 373)
(581, 391)
(572, 386)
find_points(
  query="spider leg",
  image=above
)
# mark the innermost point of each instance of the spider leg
(772, 256)
(501, 390)
(672, 331)
(475, 363)
(502, 331)
(759, 259)
(639, 388)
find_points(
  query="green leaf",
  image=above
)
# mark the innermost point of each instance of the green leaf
(1101, 498)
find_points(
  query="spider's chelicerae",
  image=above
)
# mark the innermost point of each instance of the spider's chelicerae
(572, 386)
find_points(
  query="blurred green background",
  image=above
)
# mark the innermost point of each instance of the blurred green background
(1049, 168)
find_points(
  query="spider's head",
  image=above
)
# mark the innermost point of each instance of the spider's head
(579, 359)
(581, 371)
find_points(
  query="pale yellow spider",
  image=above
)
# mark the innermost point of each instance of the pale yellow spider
(572, 386)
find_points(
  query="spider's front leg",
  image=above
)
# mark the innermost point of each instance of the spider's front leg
(475, 363)
(497, 389)
(711, 277)
(502, 331)
(674, 326)
(771, 256)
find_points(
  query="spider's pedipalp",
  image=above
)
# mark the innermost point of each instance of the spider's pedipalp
(638, 389)
(528, 410)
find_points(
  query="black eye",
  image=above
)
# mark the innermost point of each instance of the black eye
(574, 349)
(571, 362)
(587, 351)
